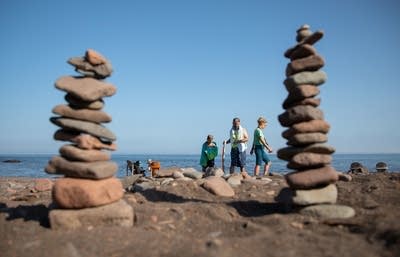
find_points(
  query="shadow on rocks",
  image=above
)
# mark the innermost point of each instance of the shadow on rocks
(153, 195)
(39, 213)
(256, 209)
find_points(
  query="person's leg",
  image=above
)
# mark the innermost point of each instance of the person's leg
(258, 153)
(267, 162)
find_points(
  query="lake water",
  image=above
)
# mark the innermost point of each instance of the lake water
(33, 165)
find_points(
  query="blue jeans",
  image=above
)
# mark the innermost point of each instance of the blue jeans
(261, 155)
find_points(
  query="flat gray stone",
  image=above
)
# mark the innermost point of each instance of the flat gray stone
(326, 194)
(288, 152)
(300, 113)
(329, 211)
(91, 128)
(307, 138)
(312, 126)
(84, 67)
(300, 93)
(128, 181)
(91, 170)
(73, 153)
(309, 160)
(192, 173)
(87, 89)
(305, 78)
(115, 214)
(67, 111)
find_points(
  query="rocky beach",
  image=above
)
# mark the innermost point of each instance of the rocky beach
(175, 215)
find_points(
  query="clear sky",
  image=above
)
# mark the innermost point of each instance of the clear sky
(184, 69)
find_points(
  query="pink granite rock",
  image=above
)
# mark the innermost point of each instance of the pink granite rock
(288, 152)
(300, 93)
(72, 193)
(309, 63)
(75, 102)
(87, 89)
(94, 57)
(218, 186)
(307, 138)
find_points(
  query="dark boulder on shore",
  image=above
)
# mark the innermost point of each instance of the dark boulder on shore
(12, 161)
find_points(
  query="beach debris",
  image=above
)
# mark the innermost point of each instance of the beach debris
(381, 167)
(89, 194)
(358, 168)
(313, 180)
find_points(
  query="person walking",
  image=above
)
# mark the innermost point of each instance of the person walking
(259, 146)
(238, 140)
(209, 151)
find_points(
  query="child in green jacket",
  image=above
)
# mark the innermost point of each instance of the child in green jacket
(208, 153)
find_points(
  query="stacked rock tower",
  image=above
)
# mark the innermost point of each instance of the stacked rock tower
(313, 180)
(88, 194)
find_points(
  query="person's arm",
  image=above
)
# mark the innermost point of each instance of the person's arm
(264, 142)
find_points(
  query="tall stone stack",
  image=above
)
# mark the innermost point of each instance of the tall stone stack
(313, 181)
(88, 194)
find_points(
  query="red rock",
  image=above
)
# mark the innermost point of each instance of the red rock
(72, 193)
(82, 114)
(74, 153)
(94, 57)
(312, 178)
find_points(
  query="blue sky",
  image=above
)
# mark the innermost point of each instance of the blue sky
(184, 69)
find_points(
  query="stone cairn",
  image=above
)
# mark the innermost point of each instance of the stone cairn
(313, 181)
(88, 194)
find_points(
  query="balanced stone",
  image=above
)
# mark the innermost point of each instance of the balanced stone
(303, 51)
(305, 77)
(84, 67)
(218, 186)
(300, 113)
(87, 89)
(312, 178)
(310, 40)
(94, 57)
(329, 211)
(82, 114)
(300, 93)
(73, 193)
(303, 32)
(91, 170)
(84, 126)
(73, 153)
(307, 127)
(307, 138)
(118, 213)
(309, 160)
(83, 141)
(79, 103)
(288, 152)
(310, 63)
(326, 194)
(314, 102)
